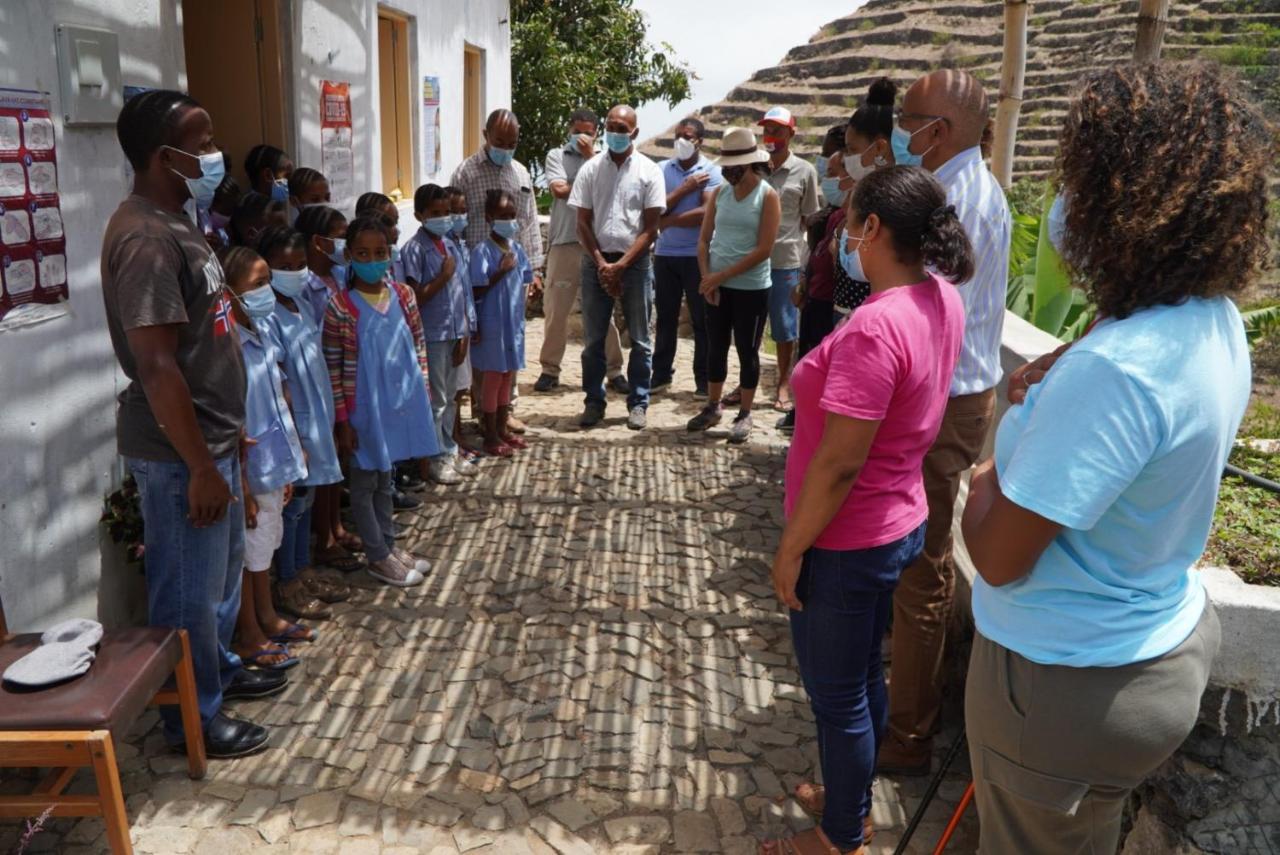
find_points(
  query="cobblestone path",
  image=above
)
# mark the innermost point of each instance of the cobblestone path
(596, 665)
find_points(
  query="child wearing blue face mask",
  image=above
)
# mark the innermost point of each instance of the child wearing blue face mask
(381, 204)
(273, 461)
(378, 373)
(439, 277)
(458, 237)
(325, 230)
(500, 276)
(292, 329)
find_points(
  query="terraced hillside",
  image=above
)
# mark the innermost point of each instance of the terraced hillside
(821, 82)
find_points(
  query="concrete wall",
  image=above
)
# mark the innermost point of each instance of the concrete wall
(337, 40)
(59, 379)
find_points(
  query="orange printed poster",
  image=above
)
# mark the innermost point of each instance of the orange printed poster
(337, 158)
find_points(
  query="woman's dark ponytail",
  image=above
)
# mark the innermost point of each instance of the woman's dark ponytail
(946, 247)
(912, 205)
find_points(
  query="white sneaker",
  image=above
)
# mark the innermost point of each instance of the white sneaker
(465, 467)
(410, 560)
(392, 572)
(442, 473)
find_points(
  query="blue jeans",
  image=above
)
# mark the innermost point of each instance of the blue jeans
(784, 317)
(294, 554)
(193, 576)
(442, 377)
(848, 597)
(597, 310)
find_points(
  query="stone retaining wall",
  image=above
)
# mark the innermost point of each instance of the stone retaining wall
(1220, 793)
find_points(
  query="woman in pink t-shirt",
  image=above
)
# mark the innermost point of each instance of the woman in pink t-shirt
(869, 400)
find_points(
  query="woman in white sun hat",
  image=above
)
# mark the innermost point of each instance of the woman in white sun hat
(737, 238)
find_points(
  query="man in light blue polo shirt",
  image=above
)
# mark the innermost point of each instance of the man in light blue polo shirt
(691, 181)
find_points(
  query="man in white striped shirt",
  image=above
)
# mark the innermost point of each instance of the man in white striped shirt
(940, 127)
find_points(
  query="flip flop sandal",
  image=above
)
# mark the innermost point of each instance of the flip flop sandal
(516, 442)
(812, 800)
(781, 406)
(343, 562)
(256, 659)
(733, 398)
(500, 449)
(294, 634)
(811, 842)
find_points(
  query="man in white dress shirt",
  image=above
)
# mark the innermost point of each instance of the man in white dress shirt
(940, 127)
(619, 197)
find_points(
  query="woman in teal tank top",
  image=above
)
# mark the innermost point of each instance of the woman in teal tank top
(737, 238)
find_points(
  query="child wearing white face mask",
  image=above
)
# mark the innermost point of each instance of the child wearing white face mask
(300, 590)
(273, 462)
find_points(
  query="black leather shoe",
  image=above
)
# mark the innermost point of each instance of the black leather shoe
(591, 416)
(404, 502)
(226, 737)
(620, 385)
(253, 683)
(545, 383)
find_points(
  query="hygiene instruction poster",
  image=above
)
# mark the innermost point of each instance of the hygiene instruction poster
(337, 159)
(431, 124)
(33, 260)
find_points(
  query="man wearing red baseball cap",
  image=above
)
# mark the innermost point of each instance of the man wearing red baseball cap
(796, 182)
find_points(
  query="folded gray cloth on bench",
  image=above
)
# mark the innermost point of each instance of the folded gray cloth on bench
(65, 651)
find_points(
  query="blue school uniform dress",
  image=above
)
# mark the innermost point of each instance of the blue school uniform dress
(275, 459)
(500, 312)
(317, 295)
(297, 336)
(451, 313)
(392, 417)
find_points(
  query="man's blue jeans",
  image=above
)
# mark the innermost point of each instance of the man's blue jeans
(193, 575)
(848, 597)
(637, 310)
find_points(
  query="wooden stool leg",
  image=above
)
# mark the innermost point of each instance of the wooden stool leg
(189, 704)
(109, 794)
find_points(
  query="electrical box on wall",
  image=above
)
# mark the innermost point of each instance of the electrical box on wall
(89, 74)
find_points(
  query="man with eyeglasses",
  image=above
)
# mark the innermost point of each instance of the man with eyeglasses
(940, 127)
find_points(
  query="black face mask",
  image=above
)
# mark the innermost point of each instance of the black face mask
(733, 174)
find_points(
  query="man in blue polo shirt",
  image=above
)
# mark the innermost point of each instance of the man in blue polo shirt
(691, 181)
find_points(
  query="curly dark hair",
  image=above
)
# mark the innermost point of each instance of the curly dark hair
(1163, 168)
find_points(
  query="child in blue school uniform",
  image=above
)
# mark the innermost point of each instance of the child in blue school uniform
(438, 276)
(500, 276)
(377, 363)
(273, 461)
(294, 331)
(458, 236)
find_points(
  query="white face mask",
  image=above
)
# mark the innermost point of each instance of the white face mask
(685, 149)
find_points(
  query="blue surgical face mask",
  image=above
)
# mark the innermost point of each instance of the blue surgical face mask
(258, 303)
(852, 261)
(338, 254)
(501, 156)
(290, 283)
(617, 143)
(371, 271)
(212, 170)
(459, 223)
(900, 140)
(820, 164)
(438, 226)
(280, 190)
(506, 228)
(831, 189)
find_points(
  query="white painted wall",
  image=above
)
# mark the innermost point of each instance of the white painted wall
(337, 40)
(58, 380)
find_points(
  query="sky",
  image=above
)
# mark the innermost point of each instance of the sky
(724, 41)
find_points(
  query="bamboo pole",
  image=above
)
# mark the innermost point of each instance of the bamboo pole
(1153, 16)
(1013, 71)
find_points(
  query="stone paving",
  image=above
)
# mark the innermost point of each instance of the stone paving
(596, 665)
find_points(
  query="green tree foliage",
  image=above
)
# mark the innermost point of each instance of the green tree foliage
(567, 54)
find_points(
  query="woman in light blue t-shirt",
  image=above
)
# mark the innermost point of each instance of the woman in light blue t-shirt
(1095, 637)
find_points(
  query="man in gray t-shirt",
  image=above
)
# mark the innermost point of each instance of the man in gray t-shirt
(564, 259)
(181, 416)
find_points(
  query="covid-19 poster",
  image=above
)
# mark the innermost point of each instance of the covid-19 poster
(337, 158)
(33, 259)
